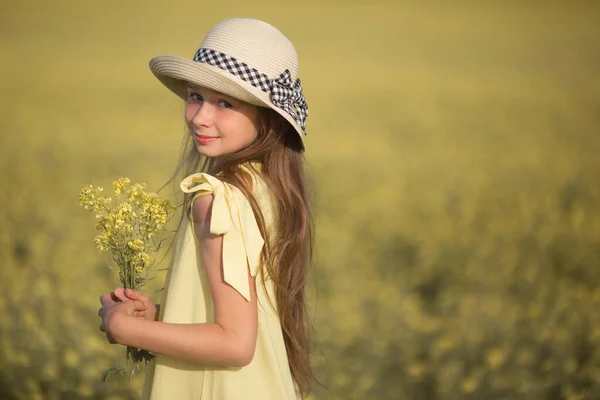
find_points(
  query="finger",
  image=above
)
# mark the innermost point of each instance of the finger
(134, 305)
(119, 294)
(138, 305)
(100, 311)
(136, 295)
(106, 299)
(133, 294)
(111, 340)
(101, 327)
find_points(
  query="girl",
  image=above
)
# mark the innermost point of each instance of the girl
(232, 321)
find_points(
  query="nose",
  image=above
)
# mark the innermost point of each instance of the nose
(202, 114)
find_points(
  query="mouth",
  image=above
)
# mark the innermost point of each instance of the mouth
(201, 139)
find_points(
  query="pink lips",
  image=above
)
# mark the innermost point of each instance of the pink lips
(205, 139)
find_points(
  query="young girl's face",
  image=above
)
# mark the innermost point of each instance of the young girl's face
(219, 124)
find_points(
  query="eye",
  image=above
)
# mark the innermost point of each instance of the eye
(195, 97)
(225, 104)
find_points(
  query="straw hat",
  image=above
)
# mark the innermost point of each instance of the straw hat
(244, 58)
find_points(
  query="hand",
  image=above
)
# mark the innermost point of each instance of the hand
(114, 313)
(150, 310)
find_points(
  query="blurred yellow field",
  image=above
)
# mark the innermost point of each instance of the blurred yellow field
(454, 150)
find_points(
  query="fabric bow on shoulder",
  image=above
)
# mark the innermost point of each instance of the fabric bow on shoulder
(232, 217)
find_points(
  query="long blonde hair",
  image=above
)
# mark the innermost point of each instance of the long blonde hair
(287, 256)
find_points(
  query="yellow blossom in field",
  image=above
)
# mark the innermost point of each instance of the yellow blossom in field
(495, 357)
(469, 384)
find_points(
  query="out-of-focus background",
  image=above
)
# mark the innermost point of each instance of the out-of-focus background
(455, 153)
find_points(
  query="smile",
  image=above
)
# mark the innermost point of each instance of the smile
(205, 139)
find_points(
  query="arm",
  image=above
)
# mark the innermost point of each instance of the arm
(230, 341)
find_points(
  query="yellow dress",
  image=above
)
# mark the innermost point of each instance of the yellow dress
(187, 299)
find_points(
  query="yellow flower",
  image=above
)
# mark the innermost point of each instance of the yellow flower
(101, 242)
(89, 198)
(127, 225)
(119, 186)
(141, 260)
(136, 245)
(137, 192)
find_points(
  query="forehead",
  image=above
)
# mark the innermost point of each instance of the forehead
(191, 86)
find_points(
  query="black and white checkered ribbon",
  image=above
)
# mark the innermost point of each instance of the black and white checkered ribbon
(283, 92)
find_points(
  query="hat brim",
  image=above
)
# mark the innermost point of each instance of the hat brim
(175, 72)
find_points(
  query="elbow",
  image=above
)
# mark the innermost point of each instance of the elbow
(242, 347)
(244, 355)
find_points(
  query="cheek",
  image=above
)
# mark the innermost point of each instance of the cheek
(251, 124)
(254, 134)
(250, 133)
(238, 125)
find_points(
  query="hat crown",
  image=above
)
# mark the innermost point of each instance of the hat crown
(255, 43)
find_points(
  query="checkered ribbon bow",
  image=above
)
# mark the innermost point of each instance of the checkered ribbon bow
(283, 92)
(288, 96)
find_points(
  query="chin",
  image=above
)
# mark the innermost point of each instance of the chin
(207, 152)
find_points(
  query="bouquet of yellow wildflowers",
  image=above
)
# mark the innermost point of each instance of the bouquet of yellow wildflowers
(129, 227)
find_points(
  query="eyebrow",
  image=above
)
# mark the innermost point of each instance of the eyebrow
(219, 94)
(193, 87)
(196, 87)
